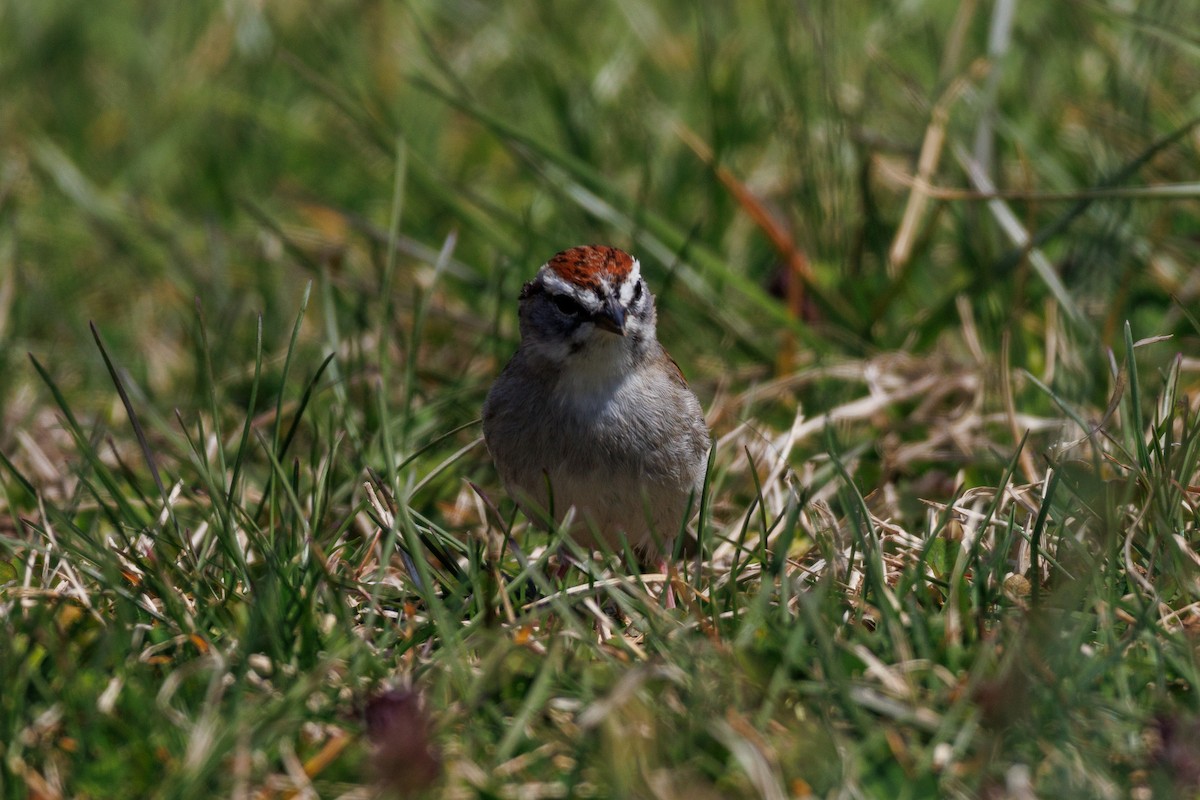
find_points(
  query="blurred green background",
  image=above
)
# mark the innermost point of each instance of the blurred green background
(231, 152)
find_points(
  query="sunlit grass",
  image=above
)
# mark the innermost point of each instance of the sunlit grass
(937, 303)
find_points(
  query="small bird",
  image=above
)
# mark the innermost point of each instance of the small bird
(592, 414)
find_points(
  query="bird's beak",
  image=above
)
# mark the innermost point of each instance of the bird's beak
(611, 318)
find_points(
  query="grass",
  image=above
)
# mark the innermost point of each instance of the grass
(929, 266)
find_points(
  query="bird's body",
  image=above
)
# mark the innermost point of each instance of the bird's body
(592, 414)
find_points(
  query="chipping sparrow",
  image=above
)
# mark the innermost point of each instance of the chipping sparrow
(592, 413)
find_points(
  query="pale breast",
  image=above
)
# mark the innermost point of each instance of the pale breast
(627, 449)
(630, 463)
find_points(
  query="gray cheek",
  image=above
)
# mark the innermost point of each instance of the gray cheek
(550, 324)
(581, 336)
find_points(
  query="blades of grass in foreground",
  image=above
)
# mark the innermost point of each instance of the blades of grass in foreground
(19, 478)
(867, 537)
(210, 387)
(1063, 405)
(703, 523)
(1035, 539)
(124, 510)
(400, 531)
(287, 367)
(1137, 429)
(534, 703)
(269, 494)
(305, 397)
(251, 405)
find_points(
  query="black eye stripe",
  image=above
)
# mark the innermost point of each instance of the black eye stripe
(637, 291)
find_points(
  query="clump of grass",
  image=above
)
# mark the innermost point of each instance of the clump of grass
(1014, 631)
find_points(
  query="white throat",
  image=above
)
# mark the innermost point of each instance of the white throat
(599, 366)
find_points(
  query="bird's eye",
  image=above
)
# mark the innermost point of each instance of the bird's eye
(567, 305)
(637, 291)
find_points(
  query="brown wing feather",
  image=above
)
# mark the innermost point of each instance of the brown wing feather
(676, 372)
